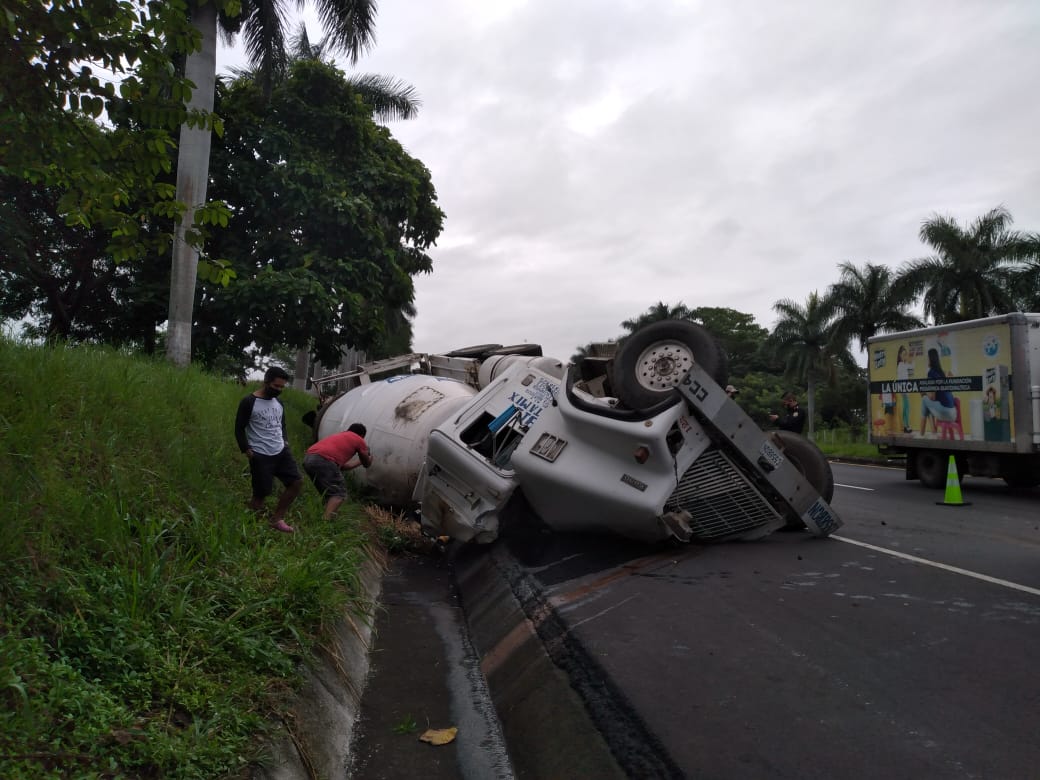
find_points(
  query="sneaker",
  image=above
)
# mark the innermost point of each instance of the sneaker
(282, 526)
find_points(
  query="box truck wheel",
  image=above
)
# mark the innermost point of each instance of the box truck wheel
(932, 466)
(1022, 472)
(650, 362)
(810, 462)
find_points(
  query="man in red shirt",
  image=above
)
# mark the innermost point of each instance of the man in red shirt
(326, 461)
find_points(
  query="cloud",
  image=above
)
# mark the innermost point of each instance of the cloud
(595, 158)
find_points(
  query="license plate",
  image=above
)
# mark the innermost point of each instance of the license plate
(771, 454)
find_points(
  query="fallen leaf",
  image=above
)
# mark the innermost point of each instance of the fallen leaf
(439, 736)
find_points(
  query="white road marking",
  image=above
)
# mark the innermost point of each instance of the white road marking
(853, 487)
(944, 566)
(603, 612)
(839, 462)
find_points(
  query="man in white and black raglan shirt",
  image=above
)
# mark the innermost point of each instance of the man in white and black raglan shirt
(260, 433)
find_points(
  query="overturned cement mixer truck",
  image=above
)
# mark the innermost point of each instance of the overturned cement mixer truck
(643, 442)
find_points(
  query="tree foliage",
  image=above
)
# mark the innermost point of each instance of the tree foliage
(390, 98)
(659, 311)
(1025, 283)
(760, 394)
(739, 335)
(68, 66)
(349, 25)
(972, 272)
(867, 301)
(843, 402)
(331, 219)
(63, 280)
(809, 344)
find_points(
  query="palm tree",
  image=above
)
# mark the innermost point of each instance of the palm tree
(971, 273)
(350, 28)
(866, 301)
(388, 97)
(659, 311)
(809, 344)
(1026, 283)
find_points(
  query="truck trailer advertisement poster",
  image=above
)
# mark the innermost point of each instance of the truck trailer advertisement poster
(943, 384)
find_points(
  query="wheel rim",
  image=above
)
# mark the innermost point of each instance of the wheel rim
(662, 365)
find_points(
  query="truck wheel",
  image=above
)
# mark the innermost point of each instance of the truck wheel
(650, 362)
(1020, 474)
(810, 462)
(1021, 480)
(932, 467)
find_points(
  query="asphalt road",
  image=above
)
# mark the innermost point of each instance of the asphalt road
(903, 647)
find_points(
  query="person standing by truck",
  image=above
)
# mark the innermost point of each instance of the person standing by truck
(260, 433)
(938, 405)
(793, 420)
(326, 461)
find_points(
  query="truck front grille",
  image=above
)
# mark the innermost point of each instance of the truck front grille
(721, 500)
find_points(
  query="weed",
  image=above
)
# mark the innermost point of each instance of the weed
(397, 533)
(406, 726)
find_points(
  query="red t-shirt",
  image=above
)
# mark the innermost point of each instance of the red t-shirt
(339, 447)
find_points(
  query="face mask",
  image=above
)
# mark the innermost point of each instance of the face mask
(272, 392)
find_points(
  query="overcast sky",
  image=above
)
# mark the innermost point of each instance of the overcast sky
(594, 157)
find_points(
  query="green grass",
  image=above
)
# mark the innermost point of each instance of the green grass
(150, 626)
(843, 443)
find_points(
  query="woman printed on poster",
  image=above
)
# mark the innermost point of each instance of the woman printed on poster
(904, 369)
(938, 405)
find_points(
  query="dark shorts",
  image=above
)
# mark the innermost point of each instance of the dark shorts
(326, 476)
(264, 468)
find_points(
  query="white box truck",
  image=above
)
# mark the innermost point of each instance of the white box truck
(968, 389)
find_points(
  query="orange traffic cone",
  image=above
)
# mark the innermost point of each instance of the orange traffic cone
(953, 487)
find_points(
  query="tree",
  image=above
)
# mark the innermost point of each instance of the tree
(805, 338)
(739, 335)
(332, 219)
(760, 394)
(972, 271)
(62, 279)
(843, 401)
(350, 26)
(659, 311)
(1026, 283)
(389, 98)
(49, 270)
(867, 301)
(54, 93)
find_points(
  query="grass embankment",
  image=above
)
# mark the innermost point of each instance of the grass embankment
(150, 626)
(844, 444)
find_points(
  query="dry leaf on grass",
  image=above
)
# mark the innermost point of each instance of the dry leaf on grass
(439, 736)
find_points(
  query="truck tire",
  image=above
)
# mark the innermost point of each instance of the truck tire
(810, 462)
(932, 467)
(1023, 473)
(1021, 480)
(650, 362)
